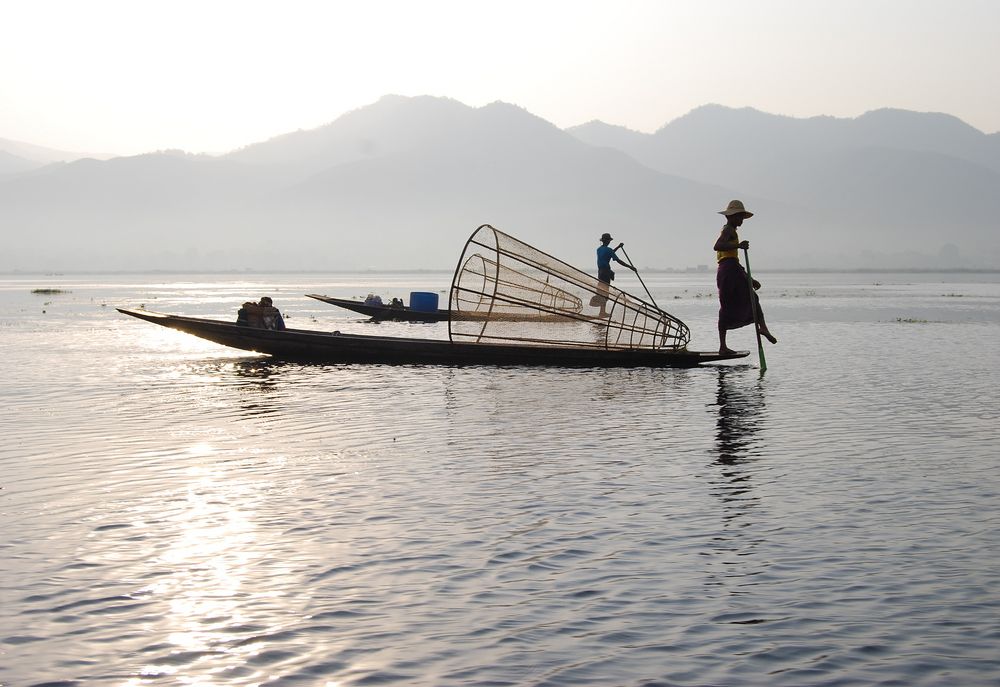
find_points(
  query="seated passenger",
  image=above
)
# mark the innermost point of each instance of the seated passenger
(249, 315)
(270, 316)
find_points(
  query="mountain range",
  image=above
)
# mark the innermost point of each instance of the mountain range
(401, 183)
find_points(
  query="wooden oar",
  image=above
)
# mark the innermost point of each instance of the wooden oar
(622, 249)
(753, 304)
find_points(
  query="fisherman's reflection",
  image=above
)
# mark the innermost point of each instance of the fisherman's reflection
(740, 404)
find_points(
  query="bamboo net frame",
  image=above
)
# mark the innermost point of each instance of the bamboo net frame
(507, 292)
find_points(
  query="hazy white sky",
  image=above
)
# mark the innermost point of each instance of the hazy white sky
(126, 76)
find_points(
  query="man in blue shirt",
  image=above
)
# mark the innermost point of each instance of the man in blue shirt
(605, 254)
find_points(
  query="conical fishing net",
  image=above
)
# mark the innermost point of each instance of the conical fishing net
(506, 292)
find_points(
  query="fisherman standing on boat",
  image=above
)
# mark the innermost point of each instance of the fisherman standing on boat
(605, 254)
(736, 300)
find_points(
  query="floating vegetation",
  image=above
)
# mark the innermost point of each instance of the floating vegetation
(49, 292)
(911, 320)
(952, 295)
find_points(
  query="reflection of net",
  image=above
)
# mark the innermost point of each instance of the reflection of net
(505, 291)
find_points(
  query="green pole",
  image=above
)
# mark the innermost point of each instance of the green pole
(753, 304)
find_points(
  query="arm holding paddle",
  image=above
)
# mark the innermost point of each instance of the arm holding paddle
(619, 260)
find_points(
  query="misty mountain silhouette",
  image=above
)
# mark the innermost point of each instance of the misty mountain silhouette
(401, 183)
(756, 141)
(421, 125)
(33, 157)
(13, 164)
(889, 176)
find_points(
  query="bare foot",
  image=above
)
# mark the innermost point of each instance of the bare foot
(726, 351)
(770, 337)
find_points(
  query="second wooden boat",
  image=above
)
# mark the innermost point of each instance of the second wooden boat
(384, 312)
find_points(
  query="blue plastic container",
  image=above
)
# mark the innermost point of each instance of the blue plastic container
(423, 301)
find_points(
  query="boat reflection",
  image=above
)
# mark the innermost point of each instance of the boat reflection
(259, 386)
(257, 381)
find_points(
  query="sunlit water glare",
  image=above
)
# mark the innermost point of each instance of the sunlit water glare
(174, 512)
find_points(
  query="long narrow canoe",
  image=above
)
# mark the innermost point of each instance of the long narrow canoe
(380, 313)
(384, 312)
(334, 347)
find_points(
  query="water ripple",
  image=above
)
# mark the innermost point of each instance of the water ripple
(174, 511)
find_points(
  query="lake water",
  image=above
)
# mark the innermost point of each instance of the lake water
(174, 512)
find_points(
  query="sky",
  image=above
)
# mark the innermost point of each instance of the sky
(125, 77)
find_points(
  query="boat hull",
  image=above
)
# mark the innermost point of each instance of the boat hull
(334, 347)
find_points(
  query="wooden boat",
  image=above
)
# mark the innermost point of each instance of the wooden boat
(384, 312)
(509, 304)
(334, 347)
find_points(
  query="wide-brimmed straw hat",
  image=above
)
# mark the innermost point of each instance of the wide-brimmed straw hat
(734, 207)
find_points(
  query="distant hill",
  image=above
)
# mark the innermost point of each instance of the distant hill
(13, 164)
(881, 180)
(32, 157)
(751, 140)
(401, 183)
(402, 188)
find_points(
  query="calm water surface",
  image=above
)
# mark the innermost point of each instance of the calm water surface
(174, 512)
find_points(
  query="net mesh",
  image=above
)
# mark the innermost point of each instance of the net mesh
(508, 292)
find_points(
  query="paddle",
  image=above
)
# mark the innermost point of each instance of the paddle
(753, 304)
(621, 247)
